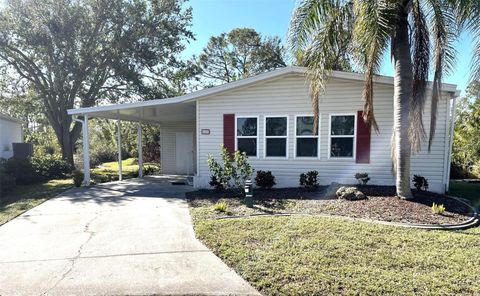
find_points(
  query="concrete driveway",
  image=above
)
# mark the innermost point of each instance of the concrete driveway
(124, 238)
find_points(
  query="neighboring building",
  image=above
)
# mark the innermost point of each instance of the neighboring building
(10, 132)
(270, 117)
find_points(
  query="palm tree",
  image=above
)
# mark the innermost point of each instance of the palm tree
(417, 33)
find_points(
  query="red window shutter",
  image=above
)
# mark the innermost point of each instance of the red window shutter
(229, 132)
(363, 140)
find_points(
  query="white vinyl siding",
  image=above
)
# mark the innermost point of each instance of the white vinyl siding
(10, 132)
(289, 95)
(167, 145)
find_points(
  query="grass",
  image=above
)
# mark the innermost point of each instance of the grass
(466, 190)
(23, 198)
(108, 171)
(332, 256)
(128, 165)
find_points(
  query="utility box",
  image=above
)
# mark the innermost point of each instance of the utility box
(22, 150)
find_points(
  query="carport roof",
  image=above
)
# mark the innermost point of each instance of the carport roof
(182, 108)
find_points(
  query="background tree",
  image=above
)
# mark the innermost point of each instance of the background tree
(241, 53)
(406, 27)
(466, 144)
(78, 53)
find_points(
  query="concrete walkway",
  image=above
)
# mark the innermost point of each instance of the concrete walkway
(123, 238)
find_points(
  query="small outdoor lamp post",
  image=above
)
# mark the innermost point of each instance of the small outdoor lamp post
(248, 193)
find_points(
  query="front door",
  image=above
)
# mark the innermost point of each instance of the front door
(184, 153)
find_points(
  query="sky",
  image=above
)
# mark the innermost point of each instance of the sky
(272, 17)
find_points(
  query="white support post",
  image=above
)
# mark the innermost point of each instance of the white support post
(86, 150)
(140, 151)
(119, 143)
(452, 132)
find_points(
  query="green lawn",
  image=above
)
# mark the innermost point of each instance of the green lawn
(466, 190)
(25, 197)
(108, 171)
(333, 256)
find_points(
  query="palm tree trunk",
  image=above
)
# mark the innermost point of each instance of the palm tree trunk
(403, 78)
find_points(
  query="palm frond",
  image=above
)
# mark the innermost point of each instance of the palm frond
(375, 20)
(306, 20)
(319, 32)
(468, 15)
(472, 17)
(421, 63)
(444, 25)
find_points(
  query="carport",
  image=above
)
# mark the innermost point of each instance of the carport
(169, 113)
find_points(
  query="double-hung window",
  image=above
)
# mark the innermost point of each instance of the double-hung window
(276, 134)
(247, 135)
(342, 136)
(306, 141)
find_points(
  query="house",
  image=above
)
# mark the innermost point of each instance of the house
(269, 116)
(10, 132)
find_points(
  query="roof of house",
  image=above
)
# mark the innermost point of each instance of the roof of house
(237, 84)
(10, 118)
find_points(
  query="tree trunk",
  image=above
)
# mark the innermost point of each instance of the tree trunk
(67, 145)
(403, 78)
(61, 125)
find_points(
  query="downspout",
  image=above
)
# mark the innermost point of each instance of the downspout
(452, 130)
(86, 150)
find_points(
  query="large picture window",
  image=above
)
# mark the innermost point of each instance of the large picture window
(306, 141)
(247, 134)
(276, 129)
(342, 136)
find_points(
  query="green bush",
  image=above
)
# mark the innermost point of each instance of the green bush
(23, 171)
(100, 156)
(217, 183)
(309, 179)
(150, 170)
(236, 169)
(51, 167)
(7, 181)
(362, 178)
(77, 178)
(265, 179)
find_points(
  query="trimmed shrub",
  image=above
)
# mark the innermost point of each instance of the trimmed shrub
(420, 182)
(309, 179)
(100, 156)
(23, 171)
(150, 170)
(362, 178)
(7, 181)
(51, 167)
(77, 178)
(265, 179)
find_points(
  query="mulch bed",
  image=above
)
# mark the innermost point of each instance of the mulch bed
(261, 194)
(381, 204)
